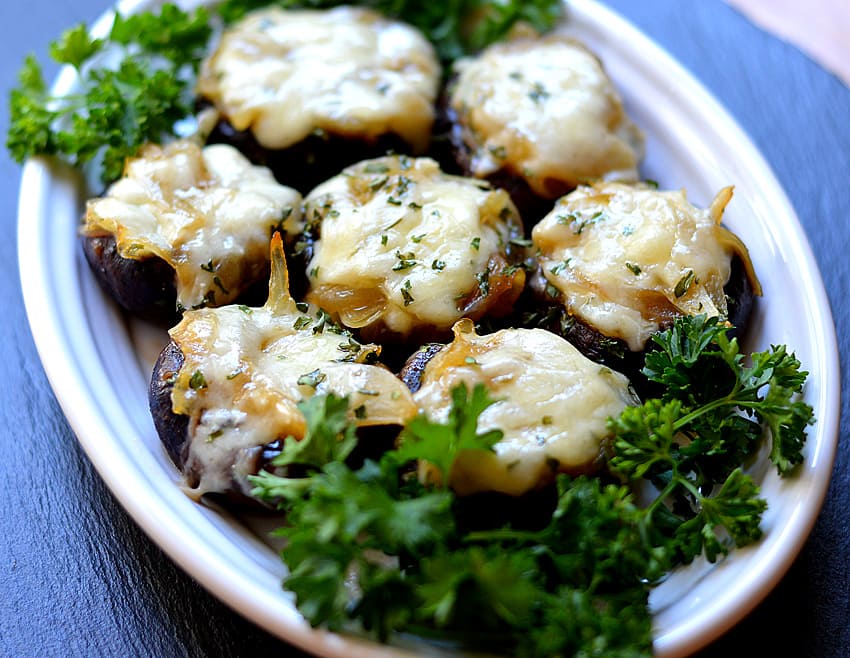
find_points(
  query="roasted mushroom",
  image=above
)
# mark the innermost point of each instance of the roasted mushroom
(402, 251)
(225, 393)
(538, 116)
(552, 405)
(308, 92)
(617, 263)
(186, 227)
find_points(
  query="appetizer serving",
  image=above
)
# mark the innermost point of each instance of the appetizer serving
(538, 116)
(308, 92)
(617, 263)
(186, 227)
(488, 494)
(402, 251)
(553, 409)
(224, 392)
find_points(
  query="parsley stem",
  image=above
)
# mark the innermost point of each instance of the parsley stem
(704, 409)
(664, 494)
(503, 534)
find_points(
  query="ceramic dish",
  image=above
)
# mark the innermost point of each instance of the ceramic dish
(99, 364)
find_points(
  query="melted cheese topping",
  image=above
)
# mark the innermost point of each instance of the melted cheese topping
(347, 71)
(405, 246)
(206, 212)
(553, 404)
(246, 370)
(545, 110)
(627, 259)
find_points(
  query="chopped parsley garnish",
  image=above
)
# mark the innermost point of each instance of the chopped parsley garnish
(498, 152)
(376, 168)
(378, 183)
(560, 267)
(405, 261)
(351, 349)
(220, 285)
(684, 284)
(312, 379)
(538, 92)
(197, 381)
(406, 294)
(483, 279)
(302, 323)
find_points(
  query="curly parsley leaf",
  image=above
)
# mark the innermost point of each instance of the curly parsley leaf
(441, 443)
(701, 367)
(691, 441)
(330, 434)
(348, 524)
(330, 437)
(456, 28)
(75, 47)
(30, 119)
(183, 42)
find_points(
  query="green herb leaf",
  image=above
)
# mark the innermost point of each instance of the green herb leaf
(120, 107)
(441, 443)
(75, 47)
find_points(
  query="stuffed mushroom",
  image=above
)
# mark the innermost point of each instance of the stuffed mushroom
(621, 262)
(310, 91)
(401, 251)
(186, 227)
(225, 392)
(552, 406)
(539, 116)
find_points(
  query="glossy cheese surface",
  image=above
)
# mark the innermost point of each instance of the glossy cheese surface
(246, 369)
(405, 245)
(209, 213)
(627, 259)
(545, 110)
(552, 406)
(348, 71)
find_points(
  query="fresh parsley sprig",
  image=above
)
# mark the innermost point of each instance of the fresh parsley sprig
(135, 85)
(440, 444)
(413, 568)
(456, 28)
(382, 548)
(709, 419)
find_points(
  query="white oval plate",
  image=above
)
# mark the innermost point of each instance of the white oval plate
(99, 365)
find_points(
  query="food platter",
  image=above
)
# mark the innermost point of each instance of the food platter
(98, 363)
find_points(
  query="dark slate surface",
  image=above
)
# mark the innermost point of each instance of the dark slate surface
(77, 576)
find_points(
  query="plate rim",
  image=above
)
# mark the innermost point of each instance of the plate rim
(172, 534)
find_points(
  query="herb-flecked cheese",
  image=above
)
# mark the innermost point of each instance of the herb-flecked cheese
(404, 245)
(207, 212)
(246, 369)
(627, 259)
(545, 110)
(347, 71)
(552, 406)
